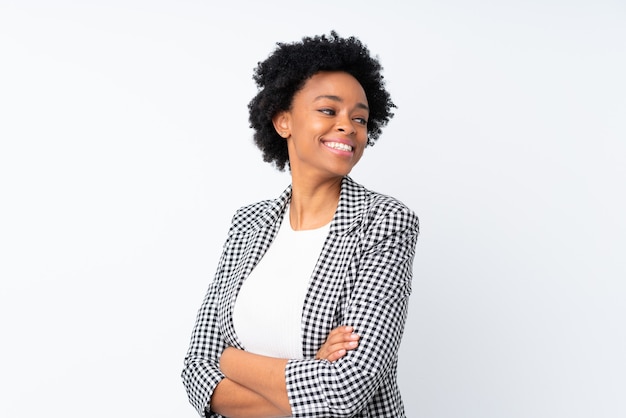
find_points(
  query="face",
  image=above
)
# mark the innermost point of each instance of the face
(326, 127)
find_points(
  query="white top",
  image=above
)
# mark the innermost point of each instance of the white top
(268, 310)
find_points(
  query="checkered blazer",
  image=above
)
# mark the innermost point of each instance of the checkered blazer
(362, 278)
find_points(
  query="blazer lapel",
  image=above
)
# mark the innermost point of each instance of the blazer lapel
(333, 277)
(252, 241)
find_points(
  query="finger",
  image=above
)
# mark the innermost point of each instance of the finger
(348, 343)
(336, 355)
(340, 338)
(338, 350)
(337, 339)
(339, 331)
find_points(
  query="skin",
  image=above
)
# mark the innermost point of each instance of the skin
(330, 108)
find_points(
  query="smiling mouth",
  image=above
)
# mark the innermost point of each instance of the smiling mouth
(338, 146)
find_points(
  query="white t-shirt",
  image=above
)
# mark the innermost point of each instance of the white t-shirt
(268, 310)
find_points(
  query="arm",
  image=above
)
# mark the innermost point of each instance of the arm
(201, 373)
(208, 389)
(233, 400)
(264, 375)
(376, 308)
(264, 378)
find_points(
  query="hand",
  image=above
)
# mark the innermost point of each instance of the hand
(337, 344)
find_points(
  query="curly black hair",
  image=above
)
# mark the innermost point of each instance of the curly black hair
(285, 72)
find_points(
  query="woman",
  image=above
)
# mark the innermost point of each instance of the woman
(306, 312)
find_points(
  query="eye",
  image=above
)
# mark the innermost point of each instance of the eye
(361, 121)
(327, 111)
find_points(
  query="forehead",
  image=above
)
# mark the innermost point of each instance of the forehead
(333, 83)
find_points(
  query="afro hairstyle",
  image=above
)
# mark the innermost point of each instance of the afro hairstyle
(285, 72)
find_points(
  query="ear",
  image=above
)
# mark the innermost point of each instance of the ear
(282, 124)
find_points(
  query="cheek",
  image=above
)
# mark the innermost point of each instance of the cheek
(359, 152)
(310, 127)
(362, 140)
(319, 126)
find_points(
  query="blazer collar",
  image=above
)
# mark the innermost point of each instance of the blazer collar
(352, 204)
(351, 207)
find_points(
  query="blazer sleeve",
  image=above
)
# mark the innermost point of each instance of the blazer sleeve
(377, 310)
(201, 372)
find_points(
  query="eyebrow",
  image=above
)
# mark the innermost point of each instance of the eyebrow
(339, 99)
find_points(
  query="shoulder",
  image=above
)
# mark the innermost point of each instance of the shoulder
(250, 216)
(259, 214)
(380, 208)
(251, 211)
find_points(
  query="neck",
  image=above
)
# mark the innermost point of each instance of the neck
(313, 204)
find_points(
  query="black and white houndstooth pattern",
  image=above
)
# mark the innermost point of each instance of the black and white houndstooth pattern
(362, 278)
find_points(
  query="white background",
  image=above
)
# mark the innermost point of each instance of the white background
(125, 149)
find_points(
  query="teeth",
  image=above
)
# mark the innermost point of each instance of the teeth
(339, 146)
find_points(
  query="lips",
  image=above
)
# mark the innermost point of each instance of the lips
(339, 143)
(339, 146)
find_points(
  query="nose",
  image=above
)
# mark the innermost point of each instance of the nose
(346, 125)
